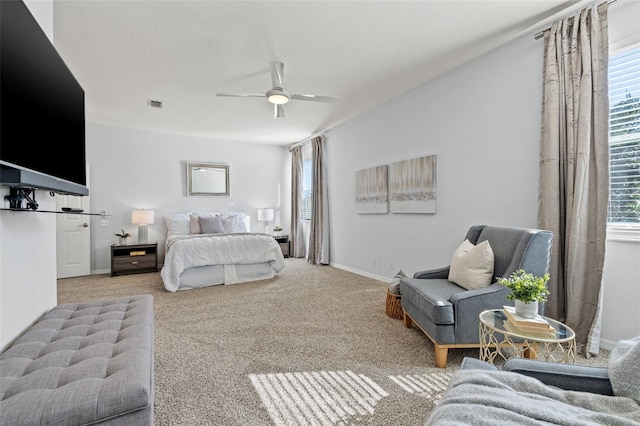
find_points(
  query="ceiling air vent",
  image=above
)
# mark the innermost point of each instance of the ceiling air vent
(154, 104)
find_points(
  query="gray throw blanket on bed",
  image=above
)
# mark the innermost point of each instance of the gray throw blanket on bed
(479, 397)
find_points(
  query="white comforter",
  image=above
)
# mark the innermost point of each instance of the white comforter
(189, 251)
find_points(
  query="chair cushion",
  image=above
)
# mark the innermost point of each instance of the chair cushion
(431, 297)
(472, 265)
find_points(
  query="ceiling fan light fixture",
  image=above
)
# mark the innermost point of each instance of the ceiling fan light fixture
(278, 97)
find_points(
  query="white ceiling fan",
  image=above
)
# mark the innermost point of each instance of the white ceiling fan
(277, 95)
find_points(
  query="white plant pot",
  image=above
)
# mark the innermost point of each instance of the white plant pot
(122, 241)
(526, 310)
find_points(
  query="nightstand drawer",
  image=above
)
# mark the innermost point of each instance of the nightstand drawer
(134, 262)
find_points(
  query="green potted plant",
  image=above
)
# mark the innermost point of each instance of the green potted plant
(122, 237)
(277, 230)
(526, 291)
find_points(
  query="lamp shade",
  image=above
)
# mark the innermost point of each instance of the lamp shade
(142, 217)
(265, 215)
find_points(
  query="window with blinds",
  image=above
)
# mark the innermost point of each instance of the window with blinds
(624, 138)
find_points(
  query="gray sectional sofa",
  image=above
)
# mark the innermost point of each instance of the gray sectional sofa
(82, 364)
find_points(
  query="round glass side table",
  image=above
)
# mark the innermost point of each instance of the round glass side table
(496, 340)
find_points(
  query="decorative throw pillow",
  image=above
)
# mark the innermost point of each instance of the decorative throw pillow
(211, 224)
(472, 266)
(177, 223)
(394, 286)
(194, 221)
(194, 224)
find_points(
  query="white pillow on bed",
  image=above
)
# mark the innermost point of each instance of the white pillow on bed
(234, 223)
(177, 223)
(211, 224)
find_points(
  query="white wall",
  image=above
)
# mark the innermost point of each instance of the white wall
(482, 121)
(621, 292)
(621, 274)
(134, 168)
(27, 246)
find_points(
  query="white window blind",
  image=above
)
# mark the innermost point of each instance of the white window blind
(624, 138)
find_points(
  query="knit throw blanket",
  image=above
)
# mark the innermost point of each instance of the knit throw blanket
(479, 397)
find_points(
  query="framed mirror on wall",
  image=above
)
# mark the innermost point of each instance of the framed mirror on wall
(207, 179)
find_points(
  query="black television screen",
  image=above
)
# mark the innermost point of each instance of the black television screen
(42, 117)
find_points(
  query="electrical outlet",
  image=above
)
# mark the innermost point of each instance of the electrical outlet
(392, 265)
(104, 222)
(373, 261)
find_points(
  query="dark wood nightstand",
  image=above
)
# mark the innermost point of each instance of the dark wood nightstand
(283, 241)
(134, 258)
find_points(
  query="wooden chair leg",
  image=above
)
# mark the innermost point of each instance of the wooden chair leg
(406, 319)
(441, 356)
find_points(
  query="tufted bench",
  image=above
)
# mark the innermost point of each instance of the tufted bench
(81, 364)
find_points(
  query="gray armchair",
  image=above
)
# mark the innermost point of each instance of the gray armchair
(448, 313)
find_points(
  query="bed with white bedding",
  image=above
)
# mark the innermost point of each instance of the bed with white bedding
(205, 249)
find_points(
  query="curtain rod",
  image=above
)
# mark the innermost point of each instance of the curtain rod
(304, 141)
(541, 33)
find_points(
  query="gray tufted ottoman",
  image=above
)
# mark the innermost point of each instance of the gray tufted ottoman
(80, 364)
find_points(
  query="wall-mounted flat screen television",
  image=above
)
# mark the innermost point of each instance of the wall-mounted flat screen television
(42, 116)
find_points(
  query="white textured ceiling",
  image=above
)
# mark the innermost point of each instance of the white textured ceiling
(183, 52)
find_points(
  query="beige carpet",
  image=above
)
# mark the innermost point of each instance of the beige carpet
(311, 346)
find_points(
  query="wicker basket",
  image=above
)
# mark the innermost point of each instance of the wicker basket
(394, 306)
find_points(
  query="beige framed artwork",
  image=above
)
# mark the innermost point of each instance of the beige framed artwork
(372, 195)
(412, 185)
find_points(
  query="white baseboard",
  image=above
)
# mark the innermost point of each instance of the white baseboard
(607, 345)
(363, 273)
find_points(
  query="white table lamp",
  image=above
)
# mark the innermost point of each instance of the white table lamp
(265, 215)
(142, 218)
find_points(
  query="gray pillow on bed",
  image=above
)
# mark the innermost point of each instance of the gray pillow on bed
(211, 225)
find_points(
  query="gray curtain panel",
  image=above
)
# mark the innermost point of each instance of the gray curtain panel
(297, 231)
(319, 230)
(574, 166)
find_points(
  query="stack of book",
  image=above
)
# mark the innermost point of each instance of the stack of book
(534, 327)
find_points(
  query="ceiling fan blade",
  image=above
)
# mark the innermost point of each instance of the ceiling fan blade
(278, 111)
(314, 98)
(242, 95)
(277, 74)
